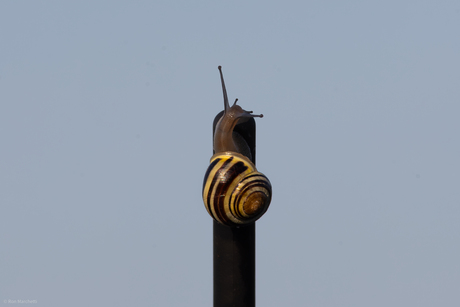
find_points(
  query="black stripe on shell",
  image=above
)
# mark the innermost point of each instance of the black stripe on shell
(226, 179)
(258, 180)
(213, 172)
(208, 171)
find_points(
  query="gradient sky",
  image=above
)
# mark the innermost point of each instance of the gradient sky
(106, 111)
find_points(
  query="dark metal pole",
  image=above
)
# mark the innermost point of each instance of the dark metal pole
(234, 266)
(234, 247)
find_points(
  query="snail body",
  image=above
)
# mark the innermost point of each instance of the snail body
(234, 192)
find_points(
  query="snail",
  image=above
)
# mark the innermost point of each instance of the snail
(234, 192)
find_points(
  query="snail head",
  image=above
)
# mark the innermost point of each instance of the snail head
(234, 112)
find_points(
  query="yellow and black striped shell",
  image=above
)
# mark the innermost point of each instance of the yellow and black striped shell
(234, 193)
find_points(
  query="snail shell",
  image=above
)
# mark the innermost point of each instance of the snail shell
(234, 192)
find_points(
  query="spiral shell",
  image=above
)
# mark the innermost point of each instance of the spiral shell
(234, 192)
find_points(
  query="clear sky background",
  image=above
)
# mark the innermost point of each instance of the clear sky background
(106, 111)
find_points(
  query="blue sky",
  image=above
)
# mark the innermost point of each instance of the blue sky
(106, 111)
